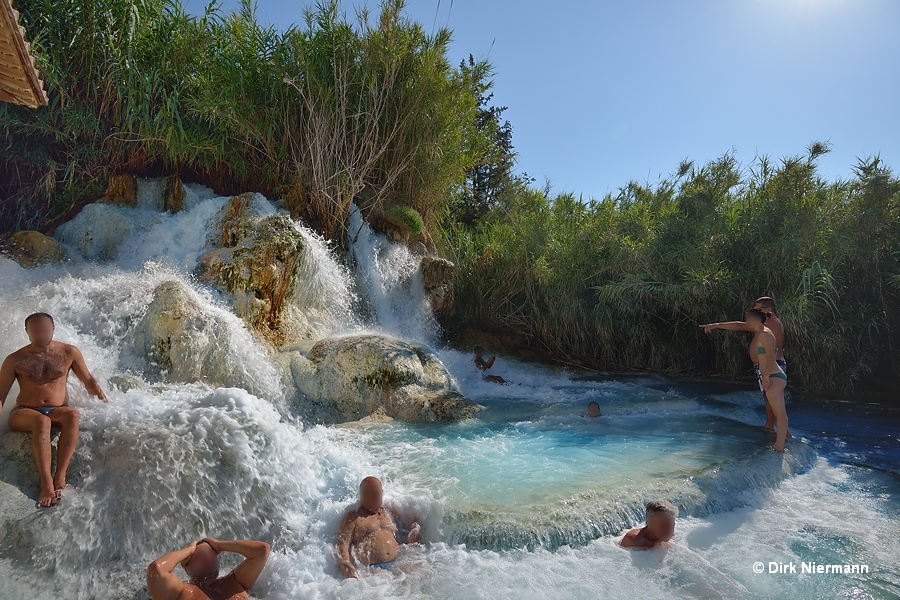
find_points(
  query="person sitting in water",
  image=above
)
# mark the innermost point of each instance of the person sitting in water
(42, 370)
(593, 410)
(369, 533)
(774, 324)
(200, 560)
(659, 526)
(483, 365)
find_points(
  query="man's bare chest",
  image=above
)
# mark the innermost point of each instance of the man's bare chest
(366, 526)
(43, 368)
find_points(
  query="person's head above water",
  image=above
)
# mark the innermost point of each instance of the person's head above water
(371, 494)
(765, 304)
(593, 409)
(479, 351)
(660, 519)
(40, 328)
(203, 563)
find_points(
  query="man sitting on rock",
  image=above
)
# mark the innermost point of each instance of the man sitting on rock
(659, 527)
(369, 533)
(483, 365)
(200, 560)
(42, 369)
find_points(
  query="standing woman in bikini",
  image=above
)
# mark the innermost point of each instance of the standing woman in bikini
(772, 378)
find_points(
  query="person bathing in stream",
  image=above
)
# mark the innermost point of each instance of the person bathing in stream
(200, 560)
(774, 324)
(593, 410)
(483, 365)
(368, 534)
(772, 378)
(659, 526)
(42, 370)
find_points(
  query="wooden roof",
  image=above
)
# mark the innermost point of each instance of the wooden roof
(19, 81)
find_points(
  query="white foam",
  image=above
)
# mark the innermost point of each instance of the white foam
(390, 283)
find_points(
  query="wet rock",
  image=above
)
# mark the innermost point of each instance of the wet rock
(437, 277)
(238, 220)
(173, 194)
(182, 343)
(352, 378)
(259, 263)
(126, 381)
(19, 485)
(33, 249)
(97, 231)
(121, 190)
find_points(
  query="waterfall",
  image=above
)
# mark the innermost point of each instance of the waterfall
(376, 287)
(390, 283)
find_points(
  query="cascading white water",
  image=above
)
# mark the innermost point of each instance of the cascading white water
(524, 502)
(390, 283)
(325, 291)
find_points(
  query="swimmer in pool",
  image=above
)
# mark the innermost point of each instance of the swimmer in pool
(42, 369)
(660, 526)
(483, 364)
(593, 410)
(369, 533)
(200, 560)
(775, 325)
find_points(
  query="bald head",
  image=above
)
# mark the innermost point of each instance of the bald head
(371, 494)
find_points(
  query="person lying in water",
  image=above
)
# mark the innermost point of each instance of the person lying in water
(42, 370)
(483, 365)
(774, 324)
(368, 534)
(659, 526)
(593, 410)
(200, 560)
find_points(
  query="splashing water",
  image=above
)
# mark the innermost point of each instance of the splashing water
(527, 501)
(325, 291)
(390, 283)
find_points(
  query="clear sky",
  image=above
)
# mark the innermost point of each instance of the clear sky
(604, 92)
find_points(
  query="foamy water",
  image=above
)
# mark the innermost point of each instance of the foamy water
(527, 501)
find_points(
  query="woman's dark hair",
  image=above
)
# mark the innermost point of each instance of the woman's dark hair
(766, 302)
(757, 313)
(592, 403)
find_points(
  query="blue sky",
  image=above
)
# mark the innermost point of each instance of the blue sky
(604, 92)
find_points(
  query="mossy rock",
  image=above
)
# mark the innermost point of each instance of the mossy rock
(403, 218)
(259, 266)
(350, 378)
(33, 249)
(122, 190)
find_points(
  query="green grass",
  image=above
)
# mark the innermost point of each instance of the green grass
(405, 217)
